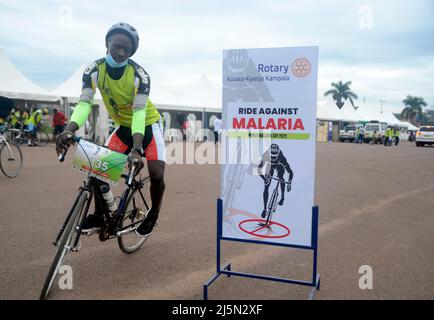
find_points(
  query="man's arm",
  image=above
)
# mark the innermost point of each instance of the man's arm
(285, 164)
(83, 108)
(260, 166)
(140, 106)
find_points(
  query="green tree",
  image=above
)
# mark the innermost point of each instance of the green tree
(340, 93)
(413, 109)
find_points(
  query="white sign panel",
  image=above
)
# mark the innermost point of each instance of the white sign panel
(269, 117)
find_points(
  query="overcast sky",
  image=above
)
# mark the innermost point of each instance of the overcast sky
(386, 48)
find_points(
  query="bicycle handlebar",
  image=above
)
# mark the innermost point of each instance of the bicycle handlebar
(61, 156)
(133, 161)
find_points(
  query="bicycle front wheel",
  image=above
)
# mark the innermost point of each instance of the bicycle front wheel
(137, 208)
(65, 244)
(42, 139)
(9, 136)
(11, 159)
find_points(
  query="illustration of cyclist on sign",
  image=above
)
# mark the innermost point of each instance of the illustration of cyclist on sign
(273, 161)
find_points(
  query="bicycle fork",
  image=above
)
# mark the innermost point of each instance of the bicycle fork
(82, 217)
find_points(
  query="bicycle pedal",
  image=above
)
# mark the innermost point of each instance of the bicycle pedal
(90, 233)
(77, 248)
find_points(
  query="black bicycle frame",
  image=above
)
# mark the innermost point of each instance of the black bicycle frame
(92, 186)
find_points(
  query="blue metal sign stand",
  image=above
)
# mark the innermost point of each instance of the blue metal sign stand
(226, 270)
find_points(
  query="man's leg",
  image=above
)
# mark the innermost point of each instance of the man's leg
(156, 174)
(155, 152)
(280, 173)
(265, 198)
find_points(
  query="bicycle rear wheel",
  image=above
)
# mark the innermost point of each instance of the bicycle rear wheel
(42, 139)
(11, 159)
(137, 208)
(64, 245)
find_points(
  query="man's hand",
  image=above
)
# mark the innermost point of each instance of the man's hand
(135, 154)
(267, 179)
(64, 141)
(288, 186)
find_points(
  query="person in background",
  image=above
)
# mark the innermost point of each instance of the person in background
(396, 133)
(59, 121)
(35, 123)
(361, 134)
(217, 128)
(388, 137)
(411, 135)
(372, 135)
(184, 130)
(26, 118)
(2, 125)
(357, 135)
(14, 118)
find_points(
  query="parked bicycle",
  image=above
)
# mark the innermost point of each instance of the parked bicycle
(11, 158)
(132, 209)
(21, 135)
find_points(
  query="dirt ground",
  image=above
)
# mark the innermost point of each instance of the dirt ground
(376, 208)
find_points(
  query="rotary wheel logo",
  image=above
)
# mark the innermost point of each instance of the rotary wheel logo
(301, 67)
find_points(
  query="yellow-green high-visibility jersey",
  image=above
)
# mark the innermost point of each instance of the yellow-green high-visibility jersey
(125, 93)
(36, 117)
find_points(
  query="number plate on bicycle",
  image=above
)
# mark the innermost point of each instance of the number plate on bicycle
(102, 163)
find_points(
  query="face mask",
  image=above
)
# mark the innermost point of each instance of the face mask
(112, 63)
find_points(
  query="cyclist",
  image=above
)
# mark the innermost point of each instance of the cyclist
(34, 124)
(14, 118)
(26, 118)
(124, 87)
(273, 159)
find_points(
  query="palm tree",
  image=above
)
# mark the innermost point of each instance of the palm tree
(413, 108)
(341, 92)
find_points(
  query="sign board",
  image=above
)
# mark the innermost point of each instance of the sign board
(330, 132)
(269, 122)
(102, 163)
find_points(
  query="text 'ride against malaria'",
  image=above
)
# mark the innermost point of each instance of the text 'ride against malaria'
(268, 119)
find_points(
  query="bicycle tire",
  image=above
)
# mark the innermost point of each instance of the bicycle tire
(126, 220)
(9, 136)
(17, 156)
(63, 246)
(42, 139)
(271, 203)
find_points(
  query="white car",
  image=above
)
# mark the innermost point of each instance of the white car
(425, 135)
(375, 130)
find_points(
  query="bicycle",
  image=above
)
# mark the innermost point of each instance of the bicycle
(22, 135)
(132, 209)
(11, 158)
(272, 203)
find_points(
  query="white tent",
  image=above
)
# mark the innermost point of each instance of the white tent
(370, 115)
(71, 88)
(161, 95)
(409, 126)
(15, 85)
(327, 110)
(203, 94)
(347, 113)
